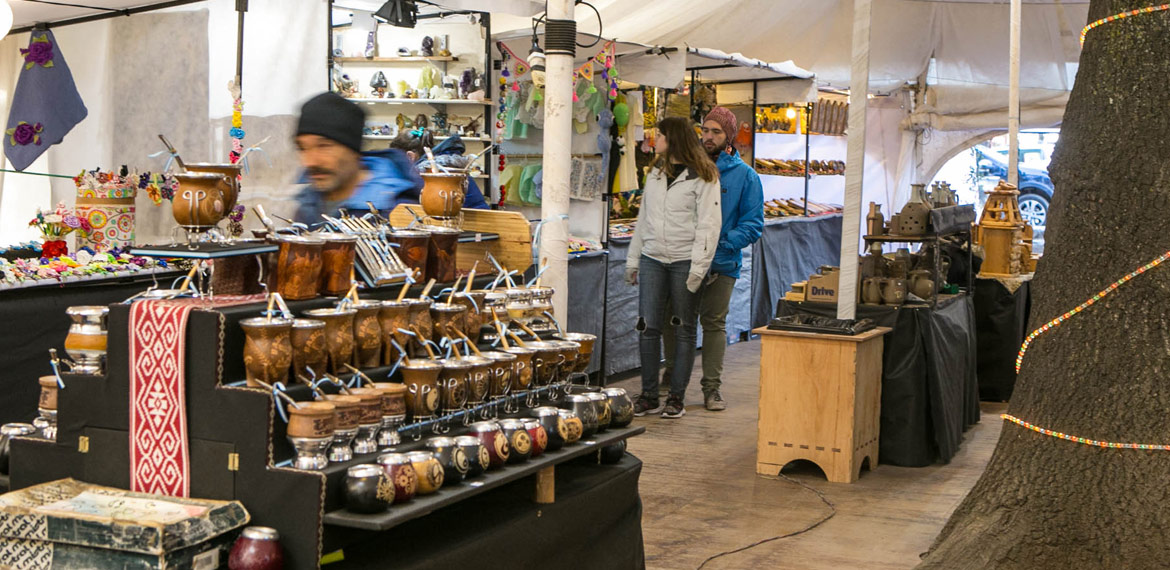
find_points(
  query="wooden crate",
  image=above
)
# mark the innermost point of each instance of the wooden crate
(820, 400)
(513, 250)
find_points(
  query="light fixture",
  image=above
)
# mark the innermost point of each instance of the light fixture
(790, 113)
(400, 13)
(5, 17)
(536, 62)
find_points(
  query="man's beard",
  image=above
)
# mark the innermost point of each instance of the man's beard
(714, 151)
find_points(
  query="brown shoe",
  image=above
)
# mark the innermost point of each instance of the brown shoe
(713, 401)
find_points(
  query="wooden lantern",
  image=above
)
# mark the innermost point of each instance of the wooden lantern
(1000, 229)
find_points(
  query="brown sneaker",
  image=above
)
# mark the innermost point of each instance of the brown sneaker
(713, 400)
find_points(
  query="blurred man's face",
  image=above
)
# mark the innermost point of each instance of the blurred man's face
(714, 139)
(330, 165)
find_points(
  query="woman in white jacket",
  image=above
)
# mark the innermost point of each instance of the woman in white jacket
(674, 241)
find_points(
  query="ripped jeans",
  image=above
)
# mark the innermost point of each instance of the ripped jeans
(659, 284)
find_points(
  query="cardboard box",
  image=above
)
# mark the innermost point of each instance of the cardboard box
(824, 288)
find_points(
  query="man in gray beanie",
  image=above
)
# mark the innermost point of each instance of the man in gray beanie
(336, 171)
(742, 201)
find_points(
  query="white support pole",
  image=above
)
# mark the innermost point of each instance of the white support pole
(558, 138)
(1014, 96)
(855, 160)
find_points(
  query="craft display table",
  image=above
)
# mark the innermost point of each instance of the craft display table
(820, 400)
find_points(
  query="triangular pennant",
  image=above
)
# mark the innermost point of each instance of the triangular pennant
(521, 68)
(45, 104)
(586, 71)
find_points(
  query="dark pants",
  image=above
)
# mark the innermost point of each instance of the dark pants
(660, 285)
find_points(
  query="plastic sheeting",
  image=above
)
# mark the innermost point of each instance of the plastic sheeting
(1001, 323)
(929, 389)
(790, 250)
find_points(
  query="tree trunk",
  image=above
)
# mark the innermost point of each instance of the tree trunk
(1104, 374)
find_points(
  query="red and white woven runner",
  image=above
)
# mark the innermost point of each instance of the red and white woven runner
(159, 459)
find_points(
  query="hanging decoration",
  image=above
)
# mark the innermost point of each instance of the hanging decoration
(1058, 320)
(1121, 16)
(45, 105)
(236, 216)
(1093, 442)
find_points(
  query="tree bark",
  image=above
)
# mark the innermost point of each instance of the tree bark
(1044, 502)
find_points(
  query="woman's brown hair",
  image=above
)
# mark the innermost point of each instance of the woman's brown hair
(682, 146)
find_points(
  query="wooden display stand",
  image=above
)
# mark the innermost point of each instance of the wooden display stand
(513, 249)
(820, 400)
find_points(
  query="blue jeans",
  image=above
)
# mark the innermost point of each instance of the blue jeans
(660, 284)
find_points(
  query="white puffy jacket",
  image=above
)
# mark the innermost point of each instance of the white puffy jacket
(678, 222)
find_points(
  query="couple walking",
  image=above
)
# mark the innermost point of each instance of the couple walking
(701, 205)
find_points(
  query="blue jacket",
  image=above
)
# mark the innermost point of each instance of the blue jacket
(393, 180)
(743, 213)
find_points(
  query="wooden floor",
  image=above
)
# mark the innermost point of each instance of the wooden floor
(702, 497)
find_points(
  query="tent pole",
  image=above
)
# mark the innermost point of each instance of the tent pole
(854, 160)
(807, 126)
(558, 137)
(1014, 96)
(241, 8)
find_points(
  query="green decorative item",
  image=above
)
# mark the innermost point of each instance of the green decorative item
(621, 115)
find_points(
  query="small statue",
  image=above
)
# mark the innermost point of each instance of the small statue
(420, 122)
(428, 46)
(472, 128)
(379, 83)
(443, 51)
(467, 82)
(371, 46)
(439, 120)
(343, 84)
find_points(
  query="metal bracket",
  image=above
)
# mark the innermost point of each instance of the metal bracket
(233, 462)
(83, 444)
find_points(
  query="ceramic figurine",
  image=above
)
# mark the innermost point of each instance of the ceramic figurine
(428, 46)
(371, 46)
(379, 84)
(444, 41)
(915, 215)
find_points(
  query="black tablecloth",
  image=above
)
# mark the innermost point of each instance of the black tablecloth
(1001, 323)
(596, 522)
(34, 321)
(929, 391)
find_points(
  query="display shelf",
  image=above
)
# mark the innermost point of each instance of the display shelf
(104, 279)
(392, 137)
(424, 505)
(207, 250)
(372, 100)
(400, 59)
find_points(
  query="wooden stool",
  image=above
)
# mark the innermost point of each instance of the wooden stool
(820, 400)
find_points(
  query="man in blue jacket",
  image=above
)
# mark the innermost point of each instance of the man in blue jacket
(743, 221)
(339, 174)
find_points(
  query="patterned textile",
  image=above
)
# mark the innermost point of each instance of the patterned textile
(159, 459)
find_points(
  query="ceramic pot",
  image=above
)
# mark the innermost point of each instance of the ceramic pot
(311, 429)
(519, 304)
(402, 475)
(871, 292)
(48, 396)
(492, 438)
(268, 349)
(921, 284)
(478, 379)
(395, 315)
(452, 457)
(496, 301)
(893, 291)
(555, 429)
(86, 342)
(368, 489)
(367, 334)
(198, 203)
(412, 248)
(519, 442)
(570, 352)
(258, 548)
(874, 222)
(231, 172)
(477, 456)
(339, 340)
(349, 416)
(586, 412)
(499, 373)
(421, 378)
(621, 407)
(546, 362)
(522, 370)
(443, 194)
(586, 343)
(442, 249)
(393, 412)
(7, 432)
(370, 421)
(428, 470)
(448, 320)
(337, 254)
(537, 434)
(420, 319)
(574, 427)
(612, 453)
(915, 215)
(475, 317)
(296, 273)
(308, 347)
(601, 408)
(453, 384)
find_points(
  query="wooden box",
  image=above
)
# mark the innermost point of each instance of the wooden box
(823, 288)
(60, 521)
(820, 400)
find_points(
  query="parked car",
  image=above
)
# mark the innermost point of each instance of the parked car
(1035, 185)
